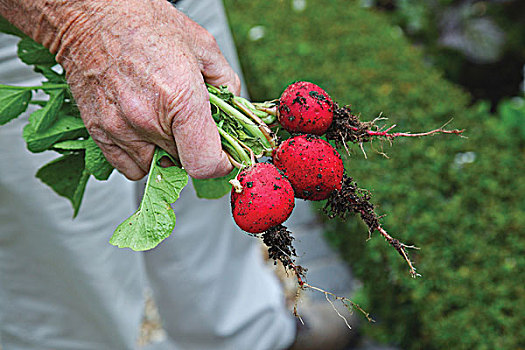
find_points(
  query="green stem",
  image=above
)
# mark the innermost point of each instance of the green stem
(244, 158)
(40, 87)
(154, 161)
(251, 106)
(244, 120)
(269, 144)
(213, 89)
(269, 108)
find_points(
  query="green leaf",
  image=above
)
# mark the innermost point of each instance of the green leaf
(67, 176)
(70, 145)
(214, 188)
(65, 128)
(96, 162)
(44, 117)
(154, 220)
(8, 28)
(31, 52)
(50, 74)
(13, 102)
(70, 108)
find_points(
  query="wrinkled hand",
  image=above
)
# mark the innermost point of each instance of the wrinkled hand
(137, 70)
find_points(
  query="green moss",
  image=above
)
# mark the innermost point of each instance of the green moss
(466, 216)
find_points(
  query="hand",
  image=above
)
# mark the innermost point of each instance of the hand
(137, 70)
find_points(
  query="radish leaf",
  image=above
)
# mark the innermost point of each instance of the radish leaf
(69, 146)
(33, 53)
(50, 74)
(214, 188)
(42, 118)
(65, 128)
(13, 102)
(67, 176)
(154, 220)
(30, 52)
(96, 163)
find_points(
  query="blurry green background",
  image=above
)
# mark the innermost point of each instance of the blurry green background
(420, 63)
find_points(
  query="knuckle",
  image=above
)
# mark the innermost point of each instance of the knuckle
(98, 134)
(208, 40)
(180, 105)
(115, 127)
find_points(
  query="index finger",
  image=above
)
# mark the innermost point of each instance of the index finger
(195, 133)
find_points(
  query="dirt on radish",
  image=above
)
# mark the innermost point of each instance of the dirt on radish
(312, 165)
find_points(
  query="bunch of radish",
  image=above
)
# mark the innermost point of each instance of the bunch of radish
(305, 166)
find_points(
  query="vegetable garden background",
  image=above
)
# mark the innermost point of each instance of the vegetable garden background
(460, 200)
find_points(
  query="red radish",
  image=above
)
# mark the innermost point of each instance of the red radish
(311, 164)
(305, 108)
(265, 200)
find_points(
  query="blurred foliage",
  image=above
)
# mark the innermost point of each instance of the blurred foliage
(460, 200)
(478, 44)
